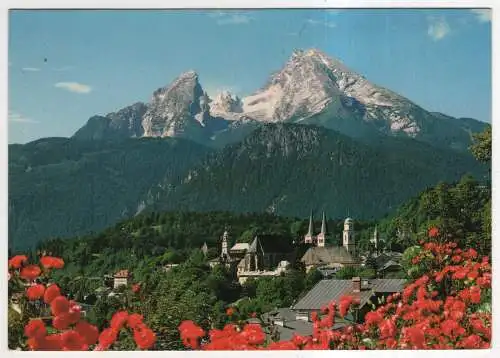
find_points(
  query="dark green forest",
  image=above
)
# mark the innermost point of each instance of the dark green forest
(63, 187)
(290, 169)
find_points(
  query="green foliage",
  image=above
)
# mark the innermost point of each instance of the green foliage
(62, 187)
(348, 272)
(312, 278)
(406, 261)
(481, 147)
(461, 210)
(15, 329)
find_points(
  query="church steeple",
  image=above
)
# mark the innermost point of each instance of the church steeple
(323, 224)
(308, 239)
(321, 238)
(375, 239)
(204, 248)
(310, 232)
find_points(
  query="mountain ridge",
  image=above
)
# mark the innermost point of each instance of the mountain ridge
(311, 88)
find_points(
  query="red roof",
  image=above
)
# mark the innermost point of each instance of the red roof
(122, 274)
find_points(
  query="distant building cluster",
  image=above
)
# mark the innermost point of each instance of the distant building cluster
(321, 254)
(266, 255)
(271, 255)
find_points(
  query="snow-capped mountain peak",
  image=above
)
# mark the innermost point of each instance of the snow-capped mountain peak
(311, 88)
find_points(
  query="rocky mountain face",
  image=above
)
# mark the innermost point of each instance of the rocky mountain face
(311, 88)
(178, 108)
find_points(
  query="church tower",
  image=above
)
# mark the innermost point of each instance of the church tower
(225, 252)
(348, 236)
(321, 238)
(375, 240)
(204, 249)
(309, 238)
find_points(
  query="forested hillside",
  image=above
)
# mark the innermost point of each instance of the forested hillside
(60, 187)
(291, 169)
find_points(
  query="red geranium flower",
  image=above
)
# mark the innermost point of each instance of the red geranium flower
(35, 329)
(51, 292)
(119, 320)
(89, 332)
(190, 333)
(144, 338)
(433, 232)
(387, 329)
(136, 288)
(47, 343)
(52, 262)
(35, 292)
(73, 341)
(59, 305)
(30, 272)
(415, 336)
(475, 294)
(61, 321)
(134, 320)
(107, 338)
(17, 261)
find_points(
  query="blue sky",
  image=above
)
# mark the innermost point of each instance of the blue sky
(100, 61)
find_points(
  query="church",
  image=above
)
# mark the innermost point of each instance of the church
(266, 255)
(320, 254)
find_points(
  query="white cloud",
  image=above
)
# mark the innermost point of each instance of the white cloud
(482, 15)
(325, 23)
(74, 87)
(231, 18)
(30, 69)
(438, 28)
(19, 118)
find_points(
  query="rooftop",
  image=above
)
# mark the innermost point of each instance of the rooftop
(326, 291)
(271, 243)
(327, 255)
(122, 274)
(240, 246)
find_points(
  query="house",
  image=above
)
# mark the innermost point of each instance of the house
(284, 324)
(239, 250)
(325, 291)
(168, 267)
(385, 262)
(243, 275)
(121, 278)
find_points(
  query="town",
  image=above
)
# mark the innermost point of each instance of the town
(274, 256)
